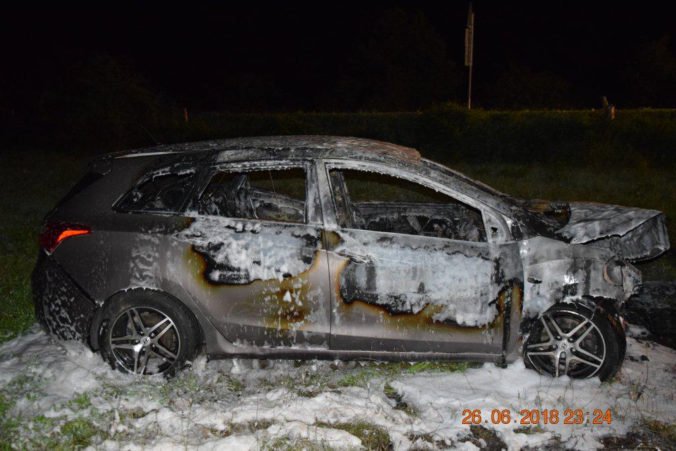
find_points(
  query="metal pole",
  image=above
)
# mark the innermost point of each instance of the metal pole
(469, 89)
(469, 52)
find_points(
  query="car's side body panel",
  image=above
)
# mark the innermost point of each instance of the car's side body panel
(261, 284)
(408, 293)
(559, 272)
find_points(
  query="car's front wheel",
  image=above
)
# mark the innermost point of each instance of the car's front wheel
(148, 332)
(572, 340)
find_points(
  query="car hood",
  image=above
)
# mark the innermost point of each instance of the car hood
(633, 233)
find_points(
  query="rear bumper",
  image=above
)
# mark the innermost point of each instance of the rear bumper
(60, 305)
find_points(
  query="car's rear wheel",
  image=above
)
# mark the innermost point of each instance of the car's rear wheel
(148, 332)
(572, 340)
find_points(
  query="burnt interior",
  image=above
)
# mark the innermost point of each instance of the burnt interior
(553, 214)
(450, 221)
(381, 203)
(272, 195)
(158, 192)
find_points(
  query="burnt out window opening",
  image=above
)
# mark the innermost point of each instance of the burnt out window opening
(383, 203)
(265, 194)
(164, 193)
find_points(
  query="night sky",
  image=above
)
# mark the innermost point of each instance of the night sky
(307, 56)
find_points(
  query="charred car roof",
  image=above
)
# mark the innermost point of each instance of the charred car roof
(308, 147)
(313, 146)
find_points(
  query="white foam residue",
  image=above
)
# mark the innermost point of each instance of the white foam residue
(236, 404)
(462, 285)
(333, 438)
(144, 266)
(262, 253)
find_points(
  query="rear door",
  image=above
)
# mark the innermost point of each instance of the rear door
(412, 267)
(258, 267)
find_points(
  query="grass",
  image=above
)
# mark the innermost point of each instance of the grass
(361, 377)
(528, 430)
(22, 431)
(373, 437)
(370, 370)
(8, 424)
(399, 403)
(440, 367)
(666, 431)
(23, 385)
(486, 438)
(78, 433)
(307, 385)
(81, 401)
(29, 192)
(59, 433)
(288, 444)
(651, 434)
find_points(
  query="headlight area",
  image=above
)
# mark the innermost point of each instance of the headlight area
(612, 272)
(621, 273)
(631, 279)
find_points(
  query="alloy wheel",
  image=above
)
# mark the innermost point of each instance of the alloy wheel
(144, 340)
(566, 342)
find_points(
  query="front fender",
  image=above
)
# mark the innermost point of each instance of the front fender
(558, 272)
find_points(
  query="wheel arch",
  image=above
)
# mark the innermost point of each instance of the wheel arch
(97, 325)
(605, 311)
(608, 307)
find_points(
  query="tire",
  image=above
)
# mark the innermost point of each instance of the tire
(572, 340)
(148, 332)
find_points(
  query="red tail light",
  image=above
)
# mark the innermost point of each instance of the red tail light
(54, 233)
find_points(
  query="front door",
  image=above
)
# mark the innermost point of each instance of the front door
(412, 269)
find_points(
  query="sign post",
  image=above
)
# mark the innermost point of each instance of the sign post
(469, 52)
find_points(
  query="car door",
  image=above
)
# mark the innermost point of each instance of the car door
(412, 268)
(255, 250)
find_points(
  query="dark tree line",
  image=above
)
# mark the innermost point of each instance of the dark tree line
(400, 63)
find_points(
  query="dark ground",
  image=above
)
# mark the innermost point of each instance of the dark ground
(654, 308)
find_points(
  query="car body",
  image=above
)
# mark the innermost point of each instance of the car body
(332, 247)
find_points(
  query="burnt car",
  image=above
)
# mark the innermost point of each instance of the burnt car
(330, 247)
